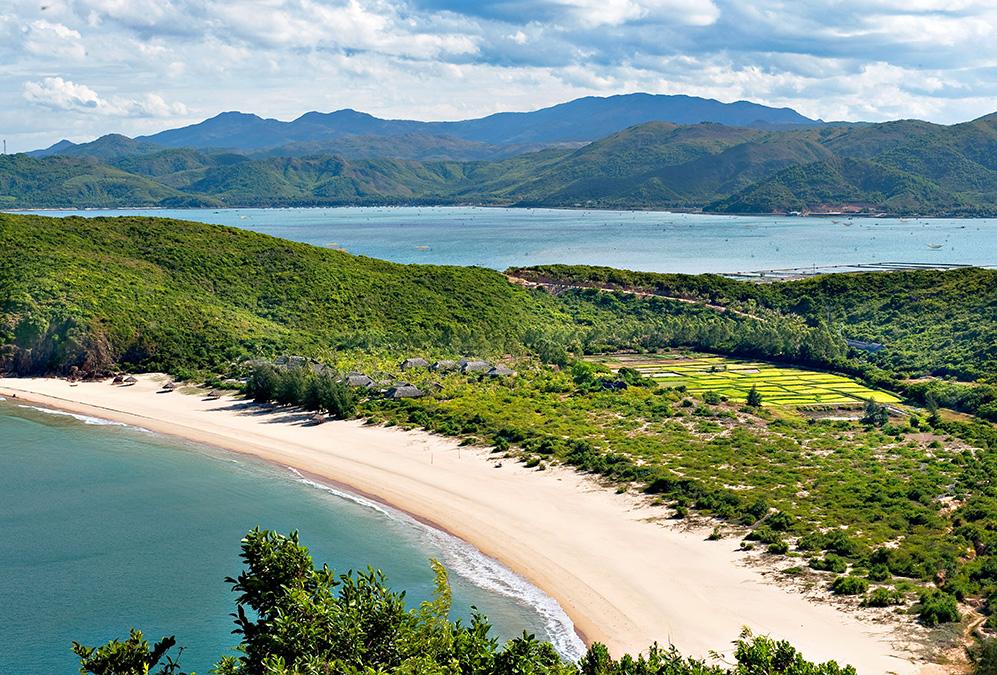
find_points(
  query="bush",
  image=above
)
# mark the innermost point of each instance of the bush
(849, 586)
(883, 597)
(829, 563)
(779, 547)
(879, 572)
(937, 607)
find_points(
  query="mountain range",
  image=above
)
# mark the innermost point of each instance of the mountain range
(578, 121)
(633, 151)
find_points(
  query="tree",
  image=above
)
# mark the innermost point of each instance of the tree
(128, 657)
(298, 619)
(754, 397)
(262, 383)
(875, 414)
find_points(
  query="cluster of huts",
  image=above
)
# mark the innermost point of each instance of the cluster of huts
(130, 380)
(392, 388)
(406, 390)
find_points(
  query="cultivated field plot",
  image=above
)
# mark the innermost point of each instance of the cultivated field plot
(730, 377)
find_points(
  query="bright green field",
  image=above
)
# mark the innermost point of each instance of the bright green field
(778, 385)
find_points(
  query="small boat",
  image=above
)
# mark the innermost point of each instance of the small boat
(935, 246)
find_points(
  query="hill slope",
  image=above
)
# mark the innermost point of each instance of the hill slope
(904, 167)
(167, 293)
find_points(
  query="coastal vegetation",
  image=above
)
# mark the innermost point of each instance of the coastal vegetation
(902, 167)
(899, 496)
(296, 618)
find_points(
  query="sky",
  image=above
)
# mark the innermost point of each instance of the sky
(78, 69)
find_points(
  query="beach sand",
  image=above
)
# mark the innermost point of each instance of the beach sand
(625, 577)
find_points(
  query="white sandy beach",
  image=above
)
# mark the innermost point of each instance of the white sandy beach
(623, 579)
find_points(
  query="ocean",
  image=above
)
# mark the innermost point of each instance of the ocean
(105, 526)
(652, 241)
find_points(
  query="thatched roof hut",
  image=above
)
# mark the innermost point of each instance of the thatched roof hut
(404, 391)
(444, 366)
(500, 371)
(358, 380)
(474, 366)
(215, 394)
(416, 362)
(169, 386)
(131, 379)
(118, 379)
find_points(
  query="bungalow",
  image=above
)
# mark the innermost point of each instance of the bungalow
(444, 366)
(473, 366)
(865, 346)
(417, 362)
(404, 391)
(500, 371)
(356, 379)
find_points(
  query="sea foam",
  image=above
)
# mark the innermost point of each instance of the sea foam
(86, 419)
(481, 570)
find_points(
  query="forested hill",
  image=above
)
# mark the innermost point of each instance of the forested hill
(904, 167)
(157, 293)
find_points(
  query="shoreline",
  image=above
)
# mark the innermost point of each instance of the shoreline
(621, 577)
(461, 205)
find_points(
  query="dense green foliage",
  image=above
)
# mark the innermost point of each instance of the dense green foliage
(302, 387)
(177, 295)
(297, 619)
(931, 324)
(132, 656)
(897, 167)
(182, 296)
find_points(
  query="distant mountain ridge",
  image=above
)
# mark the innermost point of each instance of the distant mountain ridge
(906, 167)
(582, 120)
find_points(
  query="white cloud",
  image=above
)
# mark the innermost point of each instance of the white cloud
(447, 59)
(48, 39)
(56, 93)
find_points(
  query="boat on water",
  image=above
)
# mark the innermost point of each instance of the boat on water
(935, 246)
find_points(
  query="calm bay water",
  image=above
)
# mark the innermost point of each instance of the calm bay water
(642, 240)
(104, 527)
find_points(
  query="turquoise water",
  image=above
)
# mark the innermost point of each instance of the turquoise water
(103, 527)
(640, 240)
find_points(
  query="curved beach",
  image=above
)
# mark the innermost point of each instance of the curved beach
(624, 577)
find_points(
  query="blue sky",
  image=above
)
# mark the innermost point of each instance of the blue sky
(80, 68)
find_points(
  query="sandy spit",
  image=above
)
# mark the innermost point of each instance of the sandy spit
(624, 577)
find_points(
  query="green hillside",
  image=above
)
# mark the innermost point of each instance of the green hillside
(83, 182)
(176, 294)
(903, 167)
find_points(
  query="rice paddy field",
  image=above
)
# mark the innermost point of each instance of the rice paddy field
(779, 385)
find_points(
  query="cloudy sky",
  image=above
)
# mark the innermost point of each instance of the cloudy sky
(80, 68)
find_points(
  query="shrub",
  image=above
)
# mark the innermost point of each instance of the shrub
(879, 572)
(937, 607)
(849, 586)
(829, 563)
(779, 547)
(883, 597)
(754, 397)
